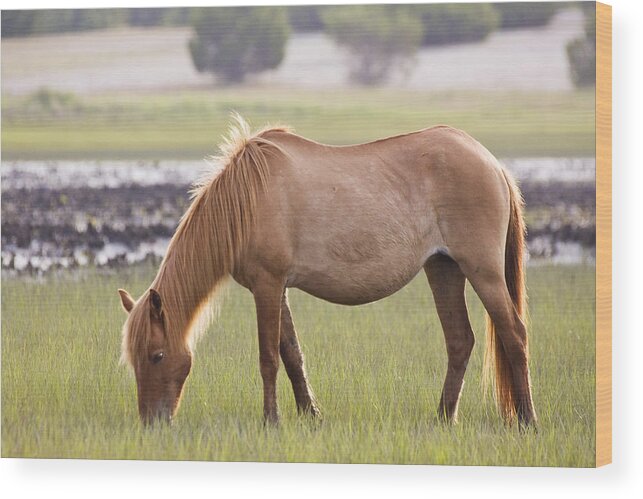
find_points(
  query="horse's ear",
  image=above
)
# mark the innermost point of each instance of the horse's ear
(126, 300)
(156, 304)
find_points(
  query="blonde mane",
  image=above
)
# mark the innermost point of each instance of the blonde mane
(209, 239)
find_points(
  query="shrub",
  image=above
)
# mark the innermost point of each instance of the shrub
(525, 14)
(234, 41)
(456, 23)
(378, 37)
(48, 102)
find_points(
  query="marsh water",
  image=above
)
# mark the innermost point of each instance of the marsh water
(66, 214)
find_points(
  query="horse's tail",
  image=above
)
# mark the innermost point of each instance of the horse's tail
(495, 354)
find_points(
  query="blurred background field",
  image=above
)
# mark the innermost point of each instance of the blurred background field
(108, 114)
(135, 92)
(104, 90)
(55, 125)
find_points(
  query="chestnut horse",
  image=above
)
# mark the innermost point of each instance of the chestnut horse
(350, 225)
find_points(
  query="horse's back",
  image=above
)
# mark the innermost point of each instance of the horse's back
(432, 152)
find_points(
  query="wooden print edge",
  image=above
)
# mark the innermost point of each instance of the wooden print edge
(603, 234)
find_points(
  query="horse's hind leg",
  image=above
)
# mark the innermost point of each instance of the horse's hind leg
(489, 283)
(447, 283)
(293, 360)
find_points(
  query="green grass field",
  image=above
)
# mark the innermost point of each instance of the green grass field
(377, 371)
(50, 125)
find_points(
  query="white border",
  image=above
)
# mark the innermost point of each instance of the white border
(121, 479)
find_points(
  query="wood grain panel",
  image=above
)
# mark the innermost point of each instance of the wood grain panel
(603, 234)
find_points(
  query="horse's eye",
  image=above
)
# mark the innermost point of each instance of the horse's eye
(157, 357)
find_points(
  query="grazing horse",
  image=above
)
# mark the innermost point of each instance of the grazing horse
(350, 225)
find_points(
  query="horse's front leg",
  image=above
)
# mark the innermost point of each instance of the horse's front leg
(268, 293)
(293, 360)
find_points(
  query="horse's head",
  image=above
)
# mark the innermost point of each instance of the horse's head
(160, 362)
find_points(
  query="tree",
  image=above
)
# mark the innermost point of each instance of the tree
(234, 41)
(378, 37)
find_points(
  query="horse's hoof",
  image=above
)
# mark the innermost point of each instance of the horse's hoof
(310, 410)
(271, 421)
(446, 419)
(314, 412)
(530, 427)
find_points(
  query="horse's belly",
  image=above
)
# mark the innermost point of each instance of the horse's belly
(350, 293)
(355, 283)
(363, 257)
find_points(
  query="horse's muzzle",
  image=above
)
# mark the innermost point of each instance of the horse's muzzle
(161, 414)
